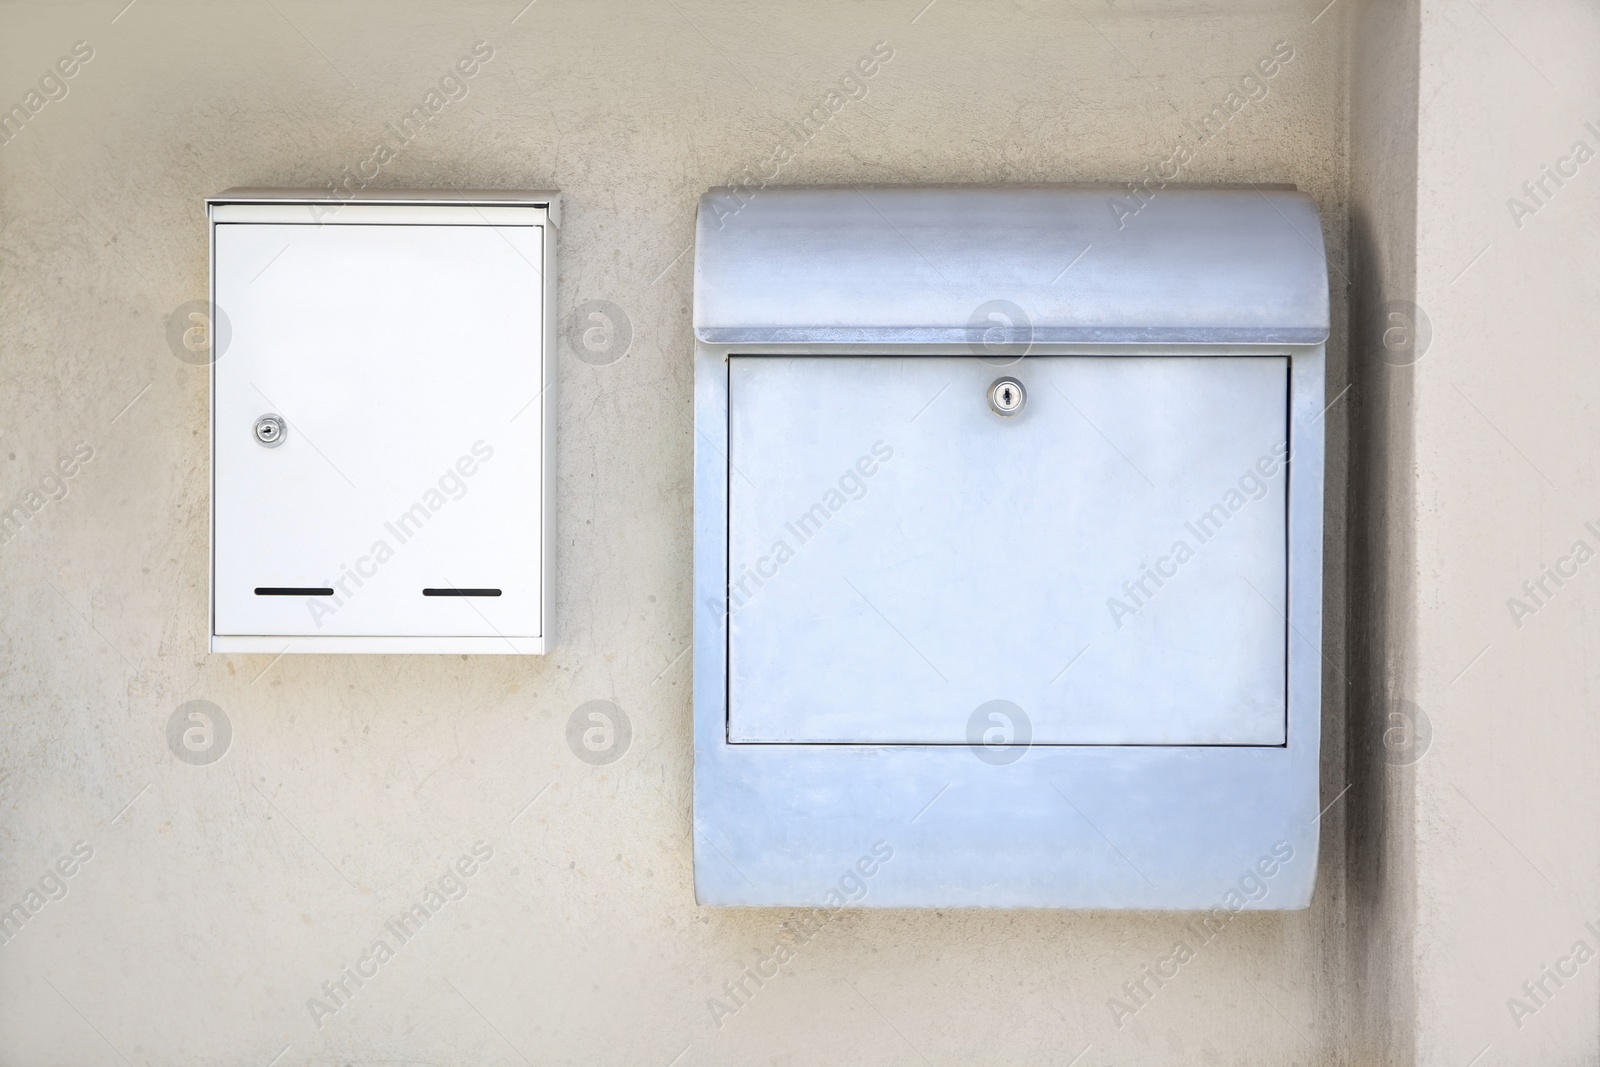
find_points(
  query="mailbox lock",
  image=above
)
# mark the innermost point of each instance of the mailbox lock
(270, 430)
(1006, 396)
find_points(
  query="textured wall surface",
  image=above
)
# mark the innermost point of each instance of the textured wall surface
(217, 899)
(1507, 862)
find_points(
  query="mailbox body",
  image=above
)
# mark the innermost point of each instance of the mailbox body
(404, 342)
(1067, 657)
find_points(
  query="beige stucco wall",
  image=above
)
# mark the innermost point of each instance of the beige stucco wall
(219, 898)
(1506, 856)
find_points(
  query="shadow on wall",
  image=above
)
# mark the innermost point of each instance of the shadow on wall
(1386, 733)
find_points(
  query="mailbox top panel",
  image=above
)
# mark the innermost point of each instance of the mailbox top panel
(1044, 264)
(322, 205)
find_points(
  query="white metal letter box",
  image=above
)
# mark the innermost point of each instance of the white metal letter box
(382, 422)
(1001, 558)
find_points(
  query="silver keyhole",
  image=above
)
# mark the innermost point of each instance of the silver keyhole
(270, 430)
(1006, 396)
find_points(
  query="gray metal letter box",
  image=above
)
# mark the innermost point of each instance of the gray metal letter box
(1001, 560)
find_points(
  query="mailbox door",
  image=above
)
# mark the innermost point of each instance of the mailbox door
(1110, 560)
(404, 496)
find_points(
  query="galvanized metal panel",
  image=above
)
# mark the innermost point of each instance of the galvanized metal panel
(1039, 264)
(1058, 826)
(1110, 559)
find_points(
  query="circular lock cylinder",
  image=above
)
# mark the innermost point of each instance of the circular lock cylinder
(270, 430)
(1006, 396)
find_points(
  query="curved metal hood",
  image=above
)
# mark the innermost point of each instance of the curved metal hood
(1044, 264)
